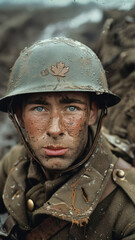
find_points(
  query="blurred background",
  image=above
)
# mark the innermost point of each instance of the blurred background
(108, 27)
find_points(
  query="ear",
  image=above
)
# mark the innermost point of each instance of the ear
(93, 113)
(19, 113)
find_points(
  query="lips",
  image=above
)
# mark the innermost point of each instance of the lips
(55, 150)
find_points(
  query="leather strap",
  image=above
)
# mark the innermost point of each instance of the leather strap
(111, 185)
(46, 229)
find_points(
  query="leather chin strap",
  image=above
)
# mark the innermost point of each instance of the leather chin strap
(100, 122)
(21, 135)
(31, 153)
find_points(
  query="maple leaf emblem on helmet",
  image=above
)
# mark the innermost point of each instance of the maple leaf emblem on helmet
(59, 69)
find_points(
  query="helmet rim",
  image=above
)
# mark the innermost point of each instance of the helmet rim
(43, 67)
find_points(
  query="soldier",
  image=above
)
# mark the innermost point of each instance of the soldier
(63, 182)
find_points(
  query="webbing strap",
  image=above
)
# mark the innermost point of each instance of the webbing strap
(12, 117)
(46, 229)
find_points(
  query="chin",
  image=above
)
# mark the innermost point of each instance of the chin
(56, 164)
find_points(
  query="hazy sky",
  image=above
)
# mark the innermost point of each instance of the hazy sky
(105, 3)
(121, 4)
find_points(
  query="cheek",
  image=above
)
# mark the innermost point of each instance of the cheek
(76, 125)
(33, 126)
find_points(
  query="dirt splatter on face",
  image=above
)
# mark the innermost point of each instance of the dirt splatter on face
(56, 126)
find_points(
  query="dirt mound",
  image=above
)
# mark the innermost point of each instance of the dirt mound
(116, 50)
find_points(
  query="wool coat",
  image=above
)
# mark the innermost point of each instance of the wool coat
(94, 202)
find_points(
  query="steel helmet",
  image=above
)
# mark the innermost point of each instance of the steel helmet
(55, 65)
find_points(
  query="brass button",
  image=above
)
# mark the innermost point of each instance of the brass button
(30, 204)
(120, 173)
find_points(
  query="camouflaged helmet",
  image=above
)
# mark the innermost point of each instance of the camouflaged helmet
(55, 65)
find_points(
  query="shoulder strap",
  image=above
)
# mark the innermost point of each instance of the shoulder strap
(125, 178)
(119, 170)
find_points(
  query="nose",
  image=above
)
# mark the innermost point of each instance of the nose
(55, 127)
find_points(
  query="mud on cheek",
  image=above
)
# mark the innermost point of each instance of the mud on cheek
(76, 129)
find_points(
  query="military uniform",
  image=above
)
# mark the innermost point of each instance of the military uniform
(96, 202)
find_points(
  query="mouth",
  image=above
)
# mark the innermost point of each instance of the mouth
(55, 150)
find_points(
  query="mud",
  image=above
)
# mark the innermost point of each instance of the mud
(116, 50)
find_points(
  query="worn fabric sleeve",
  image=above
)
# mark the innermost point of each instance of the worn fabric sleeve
(6, 163)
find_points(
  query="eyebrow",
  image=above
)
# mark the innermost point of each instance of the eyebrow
(71, 100)
(37, 101)
(62, 101)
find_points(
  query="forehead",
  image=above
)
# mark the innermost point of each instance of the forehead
(58, 96)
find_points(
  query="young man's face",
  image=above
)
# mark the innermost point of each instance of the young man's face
(56, 126)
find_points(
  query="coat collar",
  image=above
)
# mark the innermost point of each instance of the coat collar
(74, 201)
(77, 199)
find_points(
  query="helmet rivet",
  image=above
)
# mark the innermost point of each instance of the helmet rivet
(30, 204)
(120, 173)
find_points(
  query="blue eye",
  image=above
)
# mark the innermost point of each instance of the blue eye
(39, 109)
(71, 109)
